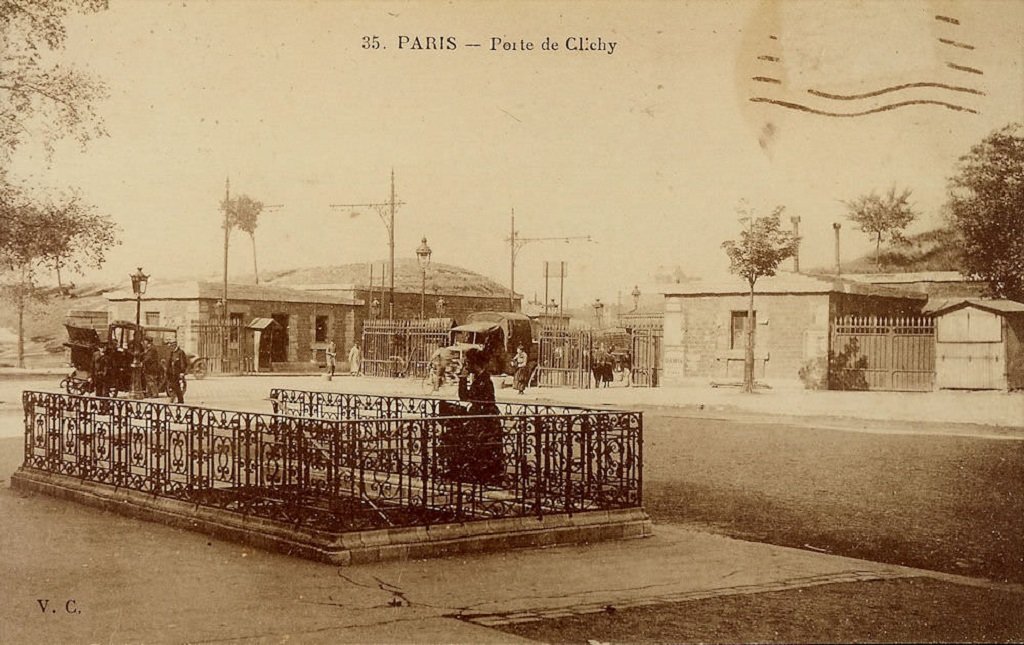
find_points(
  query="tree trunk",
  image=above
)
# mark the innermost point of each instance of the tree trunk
(878, 250)
(60, 285)
(748, 359)
(255, 271)
(21, 320)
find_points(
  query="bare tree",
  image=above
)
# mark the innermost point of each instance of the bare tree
(758, 252)
(882, 217)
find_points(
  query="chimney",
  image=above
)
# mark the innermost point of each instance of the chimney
(836, 226)
(796, 233)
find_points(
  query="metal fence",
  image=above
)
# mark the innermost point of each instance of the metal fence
(879, 353)
(402, 347)
(647, 332)
(339, 462)
(563, 357)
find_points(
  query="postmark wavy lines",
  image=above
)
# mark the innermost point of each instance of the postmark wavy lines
(884, 108)
(771, 78)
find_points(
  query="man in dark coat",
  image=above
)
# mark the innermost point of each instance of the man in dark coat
(101, 370)
(150, 368)
(177, 365)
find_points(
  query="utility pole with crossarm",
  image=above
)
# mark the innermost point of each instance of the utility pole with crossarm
(516, 242)
(386, 211)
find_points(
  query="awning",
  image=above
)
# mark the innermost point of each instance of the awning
(262, 324)
(478, 327)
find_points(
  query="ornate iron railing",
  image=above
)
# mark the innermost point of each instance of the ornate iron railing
(341, 462)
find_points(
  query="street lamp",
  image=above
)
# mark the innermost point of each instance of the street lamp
(636, 297)
(423, 255)
(598, 310)
(139, 282)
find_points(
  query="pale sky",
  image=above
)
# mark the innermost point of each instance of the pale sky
(648, 149)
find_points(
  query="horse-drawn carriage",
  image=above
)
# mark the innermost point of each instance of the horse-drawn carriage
(119, 348)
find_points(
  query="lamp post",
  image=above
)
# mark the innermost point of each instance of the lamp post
(598, 310)
(139, 282)
(423, 255)
(636, 297)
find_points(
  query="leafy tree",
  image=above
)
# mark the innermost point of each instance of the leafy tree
(25, 241)
(244, 214)
(986, 207)
(38, 99)
(43, 101)
(882, 217)
(758, 252)
(79, 236)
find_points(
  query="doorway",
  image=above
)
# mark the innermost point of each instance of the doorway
(279, 342)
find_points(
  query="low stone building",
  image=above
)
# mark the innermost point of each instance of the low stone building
(705, 324)
(448, 291)
(306, 321)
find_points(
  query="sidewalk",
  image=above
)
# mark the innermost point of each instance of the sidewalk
(939, 407)
(106, 578)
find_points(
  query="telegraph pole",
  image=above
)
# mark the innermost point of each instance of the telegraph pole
(227, 233)
(516, 243)
(386, 211)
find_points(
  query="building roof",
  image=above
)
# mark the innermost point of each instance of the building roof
(997, 306)
(907, 278)
(441, 279)
(200, 290)
(786, 283)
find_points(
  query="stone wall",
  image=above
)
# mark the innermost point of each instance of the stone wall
(791, 330)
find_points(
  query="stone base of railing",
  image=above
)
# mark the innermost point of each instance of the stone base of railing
(356, 547)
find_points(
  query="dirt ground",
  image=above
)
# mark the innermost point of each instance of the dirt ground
(886, 611)
(946, 503)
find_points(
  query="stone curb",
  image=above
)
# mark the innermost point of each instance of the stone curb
(356, 547)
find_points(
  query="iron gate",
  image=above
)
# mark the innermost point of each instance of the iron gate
(646, 357)
(226, 347)
(396, 348)
(563, 357)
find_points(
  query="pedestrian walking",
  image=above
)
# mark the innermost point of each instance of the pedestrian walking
(520, 363)
(151, 372)
(332, 357)
(354, 360)
(177, 365)
(101, 370)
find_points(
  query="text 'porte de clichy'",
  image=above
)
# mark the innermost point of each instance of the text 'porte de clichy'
(501, 44)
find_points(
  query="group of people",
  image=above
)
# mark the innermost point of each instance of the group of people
(602, 364)
(111, 367)
(355, 358)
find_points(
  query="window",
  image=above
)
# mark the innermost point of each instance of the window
(320, 329)
(152, 318)
(738, 330)
(234, 326)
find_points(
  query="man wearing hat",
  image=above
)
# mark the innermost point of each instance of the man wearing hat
(177, 365)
